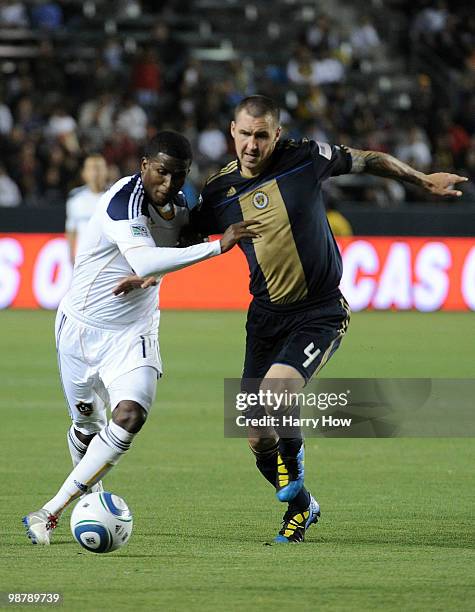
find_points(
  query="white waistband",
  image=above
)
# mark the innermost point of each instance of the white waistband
(150, 324)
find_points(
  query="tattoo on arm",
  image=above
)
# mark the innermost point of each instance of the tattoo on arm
(382, 164)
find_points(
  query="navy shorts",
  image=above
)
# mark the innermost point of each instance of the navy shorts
(304, 340)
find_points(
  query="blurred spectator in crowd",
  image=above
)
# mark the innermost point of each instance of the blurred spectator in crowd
(443, 157)
(146, 79)
(60, 123)
(27, 173)
(13, 14)
(10, 195)
(311, 104)
(304, 69)
(52, 192)
(170, 52)
(414, 149)
(62, 127)
(6, 118)
(26, 117)
(113, 54)
(430, 21)
(322, 36)
(131, 119)
(212, 143)
(47, 15)
(96, 118)
(48, 69)
(118, 147)
(128, 9)
(364, 39)
(192, 80)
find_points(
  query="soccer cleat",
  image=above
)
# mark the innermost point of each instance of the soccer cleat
(290, 475)
(39, 525)
(295, 523)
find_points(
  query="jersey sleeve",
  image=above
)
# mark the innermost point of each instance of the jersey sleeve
(128, 233)
(124, 222)
(330, 160)
(203, 219)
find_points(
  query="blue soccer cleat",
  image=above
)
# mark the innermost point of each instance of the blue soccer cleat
(290, 476)
(295, 523)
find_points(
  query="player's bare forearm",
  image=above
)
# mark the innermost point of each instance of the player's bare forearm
(385, 165)
(382, 164)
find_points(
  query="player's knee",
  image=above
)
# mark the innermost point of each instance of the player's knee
(129, 415)
(273, 390)
(261, 445)
(86, 428)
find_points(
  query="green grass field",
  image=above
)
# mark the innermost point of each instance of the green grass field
(397, 514)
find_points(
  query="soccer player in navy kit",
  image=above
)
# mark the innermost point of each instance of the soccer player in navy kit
(298, 315)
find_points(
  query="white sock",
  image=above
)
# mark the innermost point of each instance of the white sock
(104, 451)
(77, 448)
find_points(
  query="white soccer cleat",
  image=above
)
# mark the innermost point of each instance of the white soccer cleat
(39, 525)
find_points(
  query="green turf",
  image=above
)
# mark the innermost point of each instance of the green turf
(397, 525)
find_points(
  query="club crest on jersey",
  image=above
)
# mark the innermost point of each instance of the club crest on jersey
(139, 230)
(260, 200)
(85, 408)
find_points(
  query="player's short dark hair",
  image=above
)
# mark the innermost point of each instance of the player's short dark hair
(259, 106)
(171, 143)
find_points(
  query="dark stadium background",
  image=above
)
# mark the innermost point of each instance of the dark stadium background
(102, 76)
(96, 75)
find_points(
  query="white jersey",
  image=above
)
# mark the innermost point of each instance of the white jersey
(80, 207)
(120, 222)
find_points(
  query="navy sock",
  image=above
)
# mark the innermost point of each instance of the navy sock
(301, 501)
(289, 447)
(266, 462)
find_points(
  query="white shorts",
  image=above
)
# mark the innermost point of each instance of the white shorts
(99, 368)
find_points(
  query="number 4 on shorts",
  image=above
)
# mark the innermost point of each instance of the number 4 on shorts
(311, 354)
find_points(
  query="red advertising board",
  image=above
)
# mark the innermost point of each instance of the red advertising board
(423, 274)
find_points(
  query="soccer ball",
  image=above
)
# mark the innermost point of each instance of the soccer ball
(101, 522)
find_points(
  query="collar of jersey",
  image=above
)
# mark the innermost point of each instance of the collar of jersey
(146, 201)
(260, 182)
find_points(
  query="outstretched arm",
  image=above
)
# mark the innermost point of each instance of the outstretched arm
(382, 164)
(147, 260)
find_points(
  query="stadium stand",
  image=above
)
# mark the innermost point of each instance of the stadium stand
(100, 75)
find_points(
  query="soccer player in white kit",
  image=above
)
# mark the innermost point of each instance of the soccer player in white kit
(107, 345)
(82, 201)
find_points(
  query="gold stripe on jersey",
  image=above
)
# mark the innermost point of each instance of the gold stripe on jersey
(231, 167)
(276, 251)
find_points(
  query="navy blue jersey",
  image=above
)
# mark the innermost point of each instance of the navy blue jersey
(295, 263)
